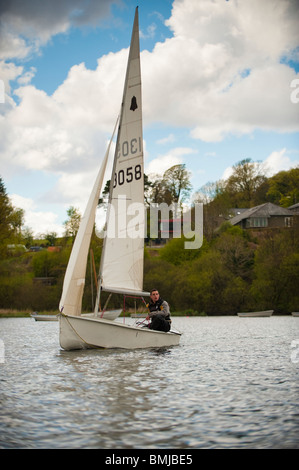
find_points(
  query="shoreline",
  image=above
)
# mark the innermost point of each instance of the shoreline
(10, 313)
(13, 313)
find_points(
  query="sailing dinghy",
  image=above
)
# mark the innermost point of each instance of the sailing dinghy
(121, 269)
(263, 313)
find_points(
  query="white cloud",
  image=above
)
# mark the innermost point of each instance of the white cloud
(220, 74)
(195, 79)
(249, 30)
(40, 222)
(150, 31)
(275, 162)
(11, 45)
(159, 165)
(26, 77)
(9, 71)
(168, 139)
(227, 173)
(25, 26)
(64, 134)
(279, 161)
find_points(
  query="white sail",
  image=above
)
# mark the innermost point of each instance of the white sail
(74, 280)
(122, 258)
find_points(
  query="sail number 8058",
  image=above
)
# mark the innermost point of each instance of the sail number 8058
(127, 176)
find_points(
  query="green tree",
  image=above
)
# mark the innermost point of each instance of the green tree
(72, 223)
(284, 188)
(244, 182)
(236, 252)
(173, 187)
(277, 272)
(177, 180)
(6, 220)
(208, 279)
(27, 236)
(217, 203)
(159, 193)
(51, 238)
(175, 253)
(17, 221)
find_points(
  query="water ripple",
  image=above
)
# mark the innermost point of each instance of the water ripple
(230, 384)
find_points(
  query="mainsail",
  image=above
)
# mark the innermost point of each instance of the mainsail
(122, 257)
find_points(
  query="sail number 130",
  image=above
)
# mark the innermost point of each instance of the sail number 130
(127, 176)
(127, 148)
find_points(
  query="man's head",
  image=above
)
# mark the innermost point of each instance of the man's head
(154, 295)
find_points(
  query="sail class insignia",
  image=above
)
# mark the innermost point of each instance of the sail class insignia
(133, 104)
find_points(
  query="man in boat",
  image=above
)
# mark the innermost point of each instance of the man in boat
(159, 312)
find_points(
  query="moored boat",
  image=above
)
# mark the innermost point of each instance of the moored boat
(40, 317)
(263, 313)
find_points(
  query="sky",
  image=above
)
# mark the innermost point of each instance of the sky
(220, 83)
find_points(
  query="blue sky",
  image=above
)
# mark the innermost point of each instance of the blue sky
(217, 83)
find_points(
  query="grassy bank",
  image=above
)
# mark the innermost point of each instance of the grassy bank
(11, 313)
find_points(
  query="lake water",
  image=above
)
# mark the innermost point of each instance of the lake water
(232, 383)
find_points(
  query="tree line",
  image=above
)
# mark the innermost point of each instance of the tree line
(232, 271)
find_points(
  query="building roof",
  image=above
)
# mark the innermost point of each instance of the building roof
(264, 210)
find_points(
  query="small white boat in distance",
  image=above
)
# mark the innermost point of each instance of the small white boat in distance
(264, 313)
(38, 317)
(295, 314)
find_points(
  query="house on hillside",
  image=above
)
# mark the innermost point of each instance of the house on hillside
(266, 215)
(294, 208)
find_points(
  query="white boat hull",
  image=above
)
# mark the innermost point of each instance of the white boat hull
(77, 332)
(265, 313)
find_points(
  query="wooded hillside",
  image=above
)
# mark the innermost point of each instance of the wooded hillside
(234, 270)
